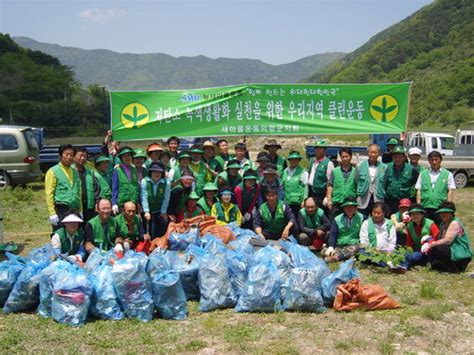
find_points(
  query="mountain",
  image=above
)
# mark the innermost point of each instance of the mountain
(125, 71)
(434, 48)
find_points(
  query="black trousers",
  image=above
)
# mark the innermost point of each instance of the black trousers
(368, 210)
(440, 259)
(156, 227)
(61, 211)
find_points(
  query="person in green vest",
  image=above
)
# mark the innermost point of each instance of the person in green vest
(62, 187)
(224, 210)
(102, 231)
(370, 175)
(319, 170)
(420, 230)
(155, 197)
(213, 166)
(125, 185)
(68, 241)
(452, 251)
(313, 224)
(179, 195)
(272, 147)
(224, 155)
(191, 208)
(241, 154)
(295, 182)
(341, 183)
(172, 143)
(400, 220)
(378, 232)
(102, 175)
(246, 197)
(274, 219)
(414, 155)
(181, 168)
(89, 183)
(387, 156)
(263, 160)
(209, 199)
(400, 178)
(133, 236)
(270, 181)
(343, 241)
(198, 167)
(231, 177)
(434, 186)
(153, 152)
(139, 157)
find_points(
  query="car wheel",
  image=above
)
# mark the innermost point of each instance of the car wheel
(4, 180)
(460, 179)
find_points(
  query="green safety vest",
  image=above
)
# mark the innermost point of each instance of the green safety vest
(247, 196)
(432, 197)
(373, 233)
(274, 225)
(461, 247)
(127, 189)
(280, 163)
(123, 227)
(90, 198)
(199, 170)
(343, 188)
(348, 235)
(213, 164)
(294, 188)
(155, 199)
(104, 240)
(221, 215)
(64, 192)
(363, 182)
(182, 199)
(401, 186)
(232, 183)
(223, 161)
(425, 230)
(105, 190)
(204, 205)
(313, 221)
(320, 178)
(77, 240)
(178, 172)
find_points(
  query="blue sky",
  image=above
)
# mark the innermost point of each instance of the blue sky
(275, 31)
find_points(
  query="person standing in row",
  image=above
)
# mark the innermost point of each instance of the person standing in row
(90, 186)
(295, 182)
(272, 147)
(320, 169)
(173, 146)
(101, 164)
(125, 185)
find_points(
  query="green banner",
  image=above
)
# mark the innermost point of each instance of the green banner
(260, 109)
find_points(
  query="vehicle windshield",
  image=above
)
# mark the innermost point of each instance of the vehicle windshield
(447, 143)
(30, 139)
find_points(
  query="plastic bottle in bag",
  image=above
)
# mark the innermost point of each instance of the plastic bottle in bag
(304, 291)
(47, 283)
(168, 295)
(9, 272)
(104, 302)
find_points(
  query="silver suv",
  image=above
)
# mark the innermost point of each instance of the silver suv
(19, 153)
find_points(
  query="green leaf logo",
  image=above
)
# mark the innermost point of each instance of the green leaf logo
(384, 108)
(134, 115)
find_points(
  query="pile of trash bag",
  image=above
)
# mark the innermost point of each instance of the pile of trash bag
(9, 271)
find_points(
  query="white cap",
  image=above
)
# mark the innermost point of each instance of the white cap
(72, 218)
(414, 151)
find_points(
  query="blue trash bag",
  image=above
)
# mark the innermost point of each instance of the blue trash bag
(214, 284)
(302, 257)
(188, 268)
(345, 273)
(47, 277)
(9, 271)
(140, 256)
(72, 293)
(213, 245)
(133, 288)
(157, 262)
(304, 291)
(25, 294)
(181, 241)
(95, 258)
(242, 245)
(262, 291)
(44, 254)
(281, 260)
(104, 301)
(238, 264)
(168, 295)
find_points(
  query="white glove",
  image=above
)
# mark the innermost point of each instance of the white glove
(425, 248)
(325, 201)
(329, 251)
(126, 246)
(54, 220)
(115, 209)
(247, 217)
(118, 249)
(425, 239)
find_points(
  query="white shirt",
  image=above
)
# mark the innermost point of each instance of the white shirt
(386, 240)
(434, 175)
(313, 171)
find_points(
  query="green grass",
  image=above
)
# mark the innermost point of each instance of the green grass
(430, 301)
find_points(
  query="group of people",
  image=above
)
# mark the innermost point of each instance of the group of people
(341, 210)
